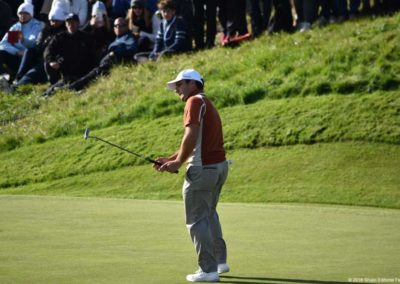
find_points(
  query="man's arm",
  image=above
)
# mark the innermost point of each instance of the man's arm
(187, 145)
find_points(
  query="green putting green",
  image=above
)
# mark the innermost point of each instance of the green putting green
(89, 240)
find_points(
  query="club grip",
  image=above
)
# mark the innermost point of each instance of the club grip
(159, 164)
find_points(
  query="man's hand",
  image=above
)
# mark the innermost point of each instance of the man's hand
(167, 165)
(170, 166)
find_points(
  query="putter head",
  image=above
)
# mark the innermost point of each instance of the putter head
(86, 135)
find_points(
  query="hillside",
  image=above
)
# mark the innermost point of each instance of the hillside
(310, 117)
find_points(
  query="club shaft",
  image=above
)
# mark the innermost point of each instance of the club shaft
(126, 150)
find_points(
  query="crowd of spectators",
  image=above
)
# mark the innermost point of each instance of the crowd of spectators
(68, 43)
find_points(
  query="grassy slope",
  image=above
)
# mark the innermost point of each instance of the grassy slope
(282, 90)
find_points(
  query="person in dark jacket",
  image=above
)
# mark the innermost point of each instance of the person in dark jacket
(5, 18)
(171, 36)
(205, 14)
(100, 30)
(69, 54)
(122, 49)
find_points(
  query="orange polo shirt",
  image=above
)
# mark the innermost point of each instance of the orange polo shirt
(209, 147)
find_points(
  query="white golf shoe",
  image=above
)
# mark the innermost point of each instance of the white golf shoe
(201, 276)
(223, 268)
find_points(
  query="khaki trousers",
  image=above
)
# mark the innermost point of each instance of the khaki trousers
(201, 191)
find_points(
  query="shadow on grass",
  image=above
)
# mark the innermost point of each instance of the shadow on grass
(268, 280)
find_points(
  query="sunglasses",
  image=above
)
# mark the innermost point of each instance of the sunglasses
(119, 25)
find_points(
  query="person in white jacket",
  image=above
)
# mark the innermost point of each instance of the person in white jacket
(78, 7)
(20, 37)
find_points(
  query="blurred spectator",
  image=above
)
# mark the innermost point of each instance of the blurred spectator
(121, 50)
(332, 11)
(5, 18)
(205, 10)
(31, 69)
(69, 54)
(46, 7)
(140, 26)
(151, 6)
(184, 10)
(78, 7)
(283, 19)
(354, 8)
(260, 13)
(120, 8)
(14, 4)
(307, 13)
(99, 29)
(171, 35)
(20, 37)
(233, 21)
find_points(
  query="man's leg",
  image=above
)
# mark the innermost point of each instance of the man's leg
(198, 198)
(215, 225)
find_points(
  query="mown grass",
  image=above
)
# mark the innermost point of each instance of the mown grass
(91, 240)
(338, 86)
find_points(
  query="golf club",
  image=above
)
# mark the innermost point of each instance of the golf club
(86, 136)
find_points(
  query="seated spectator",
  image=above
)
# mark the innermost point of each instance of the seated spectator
(20, 37)
(5, 18)
(31, 69)
(140, 26)
(171, 35)
(99, 29)
(69, 54)
(121, 50)
(78, 7)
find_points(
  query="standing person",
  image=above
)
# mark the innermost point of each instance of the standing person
(260, 13)
(202, 147)
(209, 8)
(232, 16)
(307, 13)
(5, 18)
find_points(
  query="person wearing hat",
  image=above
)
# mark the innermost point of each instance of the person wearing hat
(140, 25)
(202, 147)
(21, 36)
(121, 50)
(31, 69)
(78, 7)
(100, 30)
(69, 54)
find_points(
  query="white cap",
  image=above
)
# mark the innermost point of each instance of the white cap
(57, 13)
(187, 74)
(25, 8)
(99, 9)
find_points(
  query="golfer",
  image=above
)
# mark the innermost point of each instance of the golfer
(202, 147)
